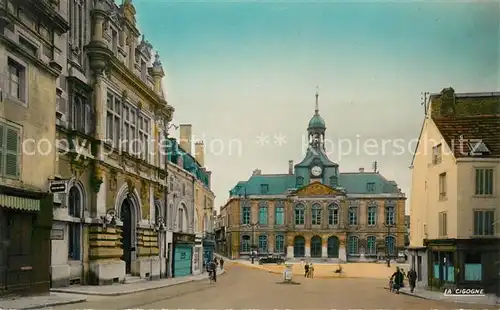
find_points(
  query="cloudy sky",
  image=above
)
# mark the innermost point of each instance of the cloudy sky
(238, 70)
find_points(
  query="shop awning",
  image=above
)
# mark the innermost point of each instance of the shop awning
(19, 203)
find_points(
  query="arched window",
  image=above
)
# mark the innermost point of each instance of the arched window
(279, 244)
(263, 213)
(316, 246)
(157, 212)
(75, 206)
(245, 243)
(316, 214)
(299, 214)
(333, 247)
(371, 245)
(333, 214)
(353, 245)
(182, 218)
(390, 243)
(263, 244)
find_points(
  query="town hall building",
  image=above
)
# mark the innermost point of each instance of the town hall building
(314, 210)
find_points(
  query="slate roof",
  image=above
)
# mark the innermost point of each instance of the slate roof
(458, 132)
(352, 182)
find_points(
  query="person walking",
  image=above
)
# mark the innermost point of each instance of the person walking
(213, 271)
(311, 271)
(412, 279)
(397, 278)
(221, 263)
(306, 270)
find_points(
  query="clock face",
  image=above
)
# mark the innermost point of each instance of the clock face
(316, 171)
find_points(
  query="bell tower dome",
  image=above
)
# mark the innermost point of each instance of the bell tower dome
(316, 128)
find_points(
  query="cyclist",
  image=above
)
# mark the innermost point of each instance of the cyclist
(212, 271)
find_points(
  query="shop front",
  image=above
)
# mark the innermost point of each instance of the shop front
(25, 231)
(208, 247)
(464, 263)
(183, 254)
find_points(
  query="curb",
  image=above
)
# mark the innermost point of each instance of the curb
(128, 292)
(445, 300)
(53, 304)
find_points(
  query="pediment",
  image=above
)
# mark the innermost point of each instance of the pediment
(318, 189)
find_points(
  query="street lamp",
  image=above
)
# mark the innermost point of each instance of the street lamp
(387, 244)
(253, 225)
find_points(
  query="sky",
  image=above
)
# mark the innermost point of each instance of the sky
(244, 74)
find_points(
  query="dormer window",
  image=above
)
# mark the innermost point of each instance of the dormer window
(333, 180)
(370, 187)
(437, 152)
(264, 188)
(478, 148)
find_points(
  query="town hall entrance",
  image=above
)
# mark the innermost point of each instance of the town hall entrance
(126, 218)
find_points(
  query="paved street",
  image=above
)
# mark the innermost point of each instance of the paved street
(243, 287)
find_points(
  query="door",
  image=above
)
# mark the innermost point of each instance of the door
(182, 260)
(19, 269)
(316, 246)
(126, 218)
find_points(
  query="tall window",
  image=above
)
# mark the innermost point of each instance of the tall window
(372, 215)
(245, 243)
(437, 152)
(74, 231)
(113, 119)
(144, 133)
(442, 186)
(443, 224)
(352, 245)
(353, 216)
(77, 22)
(246, 216)
(10, 153)
(484, 181)
(129, 129)
(17, 81)
(181, 219)
(483, 223)
(81, 113)
(279, 244)
(371, 243)
(389, 215)
(279, 217)
(263, 215)
(390, 243)
(316, 214)
(299, 214)
(263, 244)
(333, 214)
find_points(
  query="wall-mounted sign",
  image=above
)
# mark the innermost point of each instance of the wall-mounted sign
(57, 234)
(58, 186)
(183, 238)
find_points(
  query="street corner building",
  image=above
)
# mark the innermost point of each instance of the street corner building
(30, 36)
(110, 221)
(314, 210)
(455, 202)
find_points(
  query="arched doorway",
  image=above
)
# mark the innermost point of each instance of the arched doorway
(333, 247)
(316, 246)
(126, 218)
(299, 246)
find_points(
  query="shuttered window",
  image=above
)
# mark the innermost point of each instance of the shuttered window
(9, 151)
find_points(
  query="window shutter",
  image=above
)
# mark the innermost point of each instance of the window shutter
(2, 147)
(11, 152)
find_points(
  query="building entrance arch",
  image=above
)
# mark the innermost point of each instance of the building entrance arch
(127, 243)
(316, 246)
(333, 247)
(299, 246)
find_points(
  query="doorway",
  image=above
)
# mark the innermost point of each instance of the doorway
(316, 246)
(126, 218)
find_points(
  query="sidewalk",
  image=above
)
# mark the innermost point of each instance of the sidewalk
(489, 299)
(41, 301)
(124, 289)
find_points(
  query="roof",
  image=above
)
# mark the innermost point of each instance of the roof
(317, 122)
(278, 184)
(464, 133)
(313, 154)
(189, 162)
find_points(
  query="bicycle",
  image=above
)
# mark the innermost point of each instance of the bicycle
(211, 276)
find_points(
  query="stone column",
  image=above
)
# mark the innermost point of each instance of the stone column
(98, 18)
(100, 108)
(324, 246)
(308, 246)
(289, 246)
(342, 249)
(380, 214)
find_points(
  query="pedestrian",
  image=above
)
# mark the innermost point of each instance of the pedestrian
(397, 278)
(412, 278)
(311, 271)
(306, 270)
(213, 272)
(221, 263)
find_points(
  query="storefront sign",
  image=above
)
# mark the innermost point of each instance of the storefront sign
(57, 234)
(183, 238)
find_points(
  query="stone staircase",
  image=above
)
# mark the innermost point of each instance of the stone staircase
(129, 279)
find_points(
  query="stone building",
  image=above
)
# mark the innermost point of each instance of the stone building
(314, 211)
(111, 116)
(455, 202)
(31, 38)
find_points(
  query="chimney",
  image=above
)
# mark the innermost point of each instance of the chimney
(257, 172)
(290, 167)
(361, 169)
(185, 137)
(199, 153)
(447, 107)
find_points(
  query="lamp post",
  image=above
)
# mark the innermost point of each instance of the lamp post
(387, 244)
(253, 225)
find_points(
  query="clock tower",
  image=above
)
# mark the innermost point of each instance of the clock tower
(316, 166)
